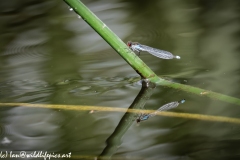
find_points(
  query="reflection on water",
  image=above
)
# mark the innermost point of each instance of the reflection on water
(145, 116)
(114, 141)
(49, 55)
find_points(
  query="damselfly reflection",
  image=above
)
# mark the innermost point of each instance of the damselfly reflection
(168, 106)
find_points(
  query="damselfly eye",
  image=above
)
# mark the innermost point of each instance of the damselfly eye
(129, 44)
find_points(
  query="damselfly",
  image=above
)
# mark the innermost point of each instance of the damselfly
(135, 46)
(168, 106)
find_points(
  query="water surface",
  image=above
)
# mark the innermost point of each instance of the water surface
(49, 55)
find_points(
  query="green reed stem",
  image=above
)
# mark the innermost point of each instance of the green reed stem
(136, 63)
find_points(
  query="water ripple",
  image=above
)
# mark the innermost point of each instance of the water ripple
(23, 45)
(102, 85)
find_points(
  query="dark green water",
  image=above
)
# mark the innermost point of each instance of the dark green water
(49, 55)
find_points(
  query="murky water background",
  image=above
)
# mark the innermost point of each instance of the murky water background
(49, 55)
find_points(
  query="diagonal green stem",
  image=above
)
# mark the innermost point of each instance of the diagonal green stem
(112, 39)
(136, 63)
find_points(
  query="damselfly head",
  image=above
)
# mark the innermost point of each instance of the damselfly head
(129, 43)
(138, 120)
